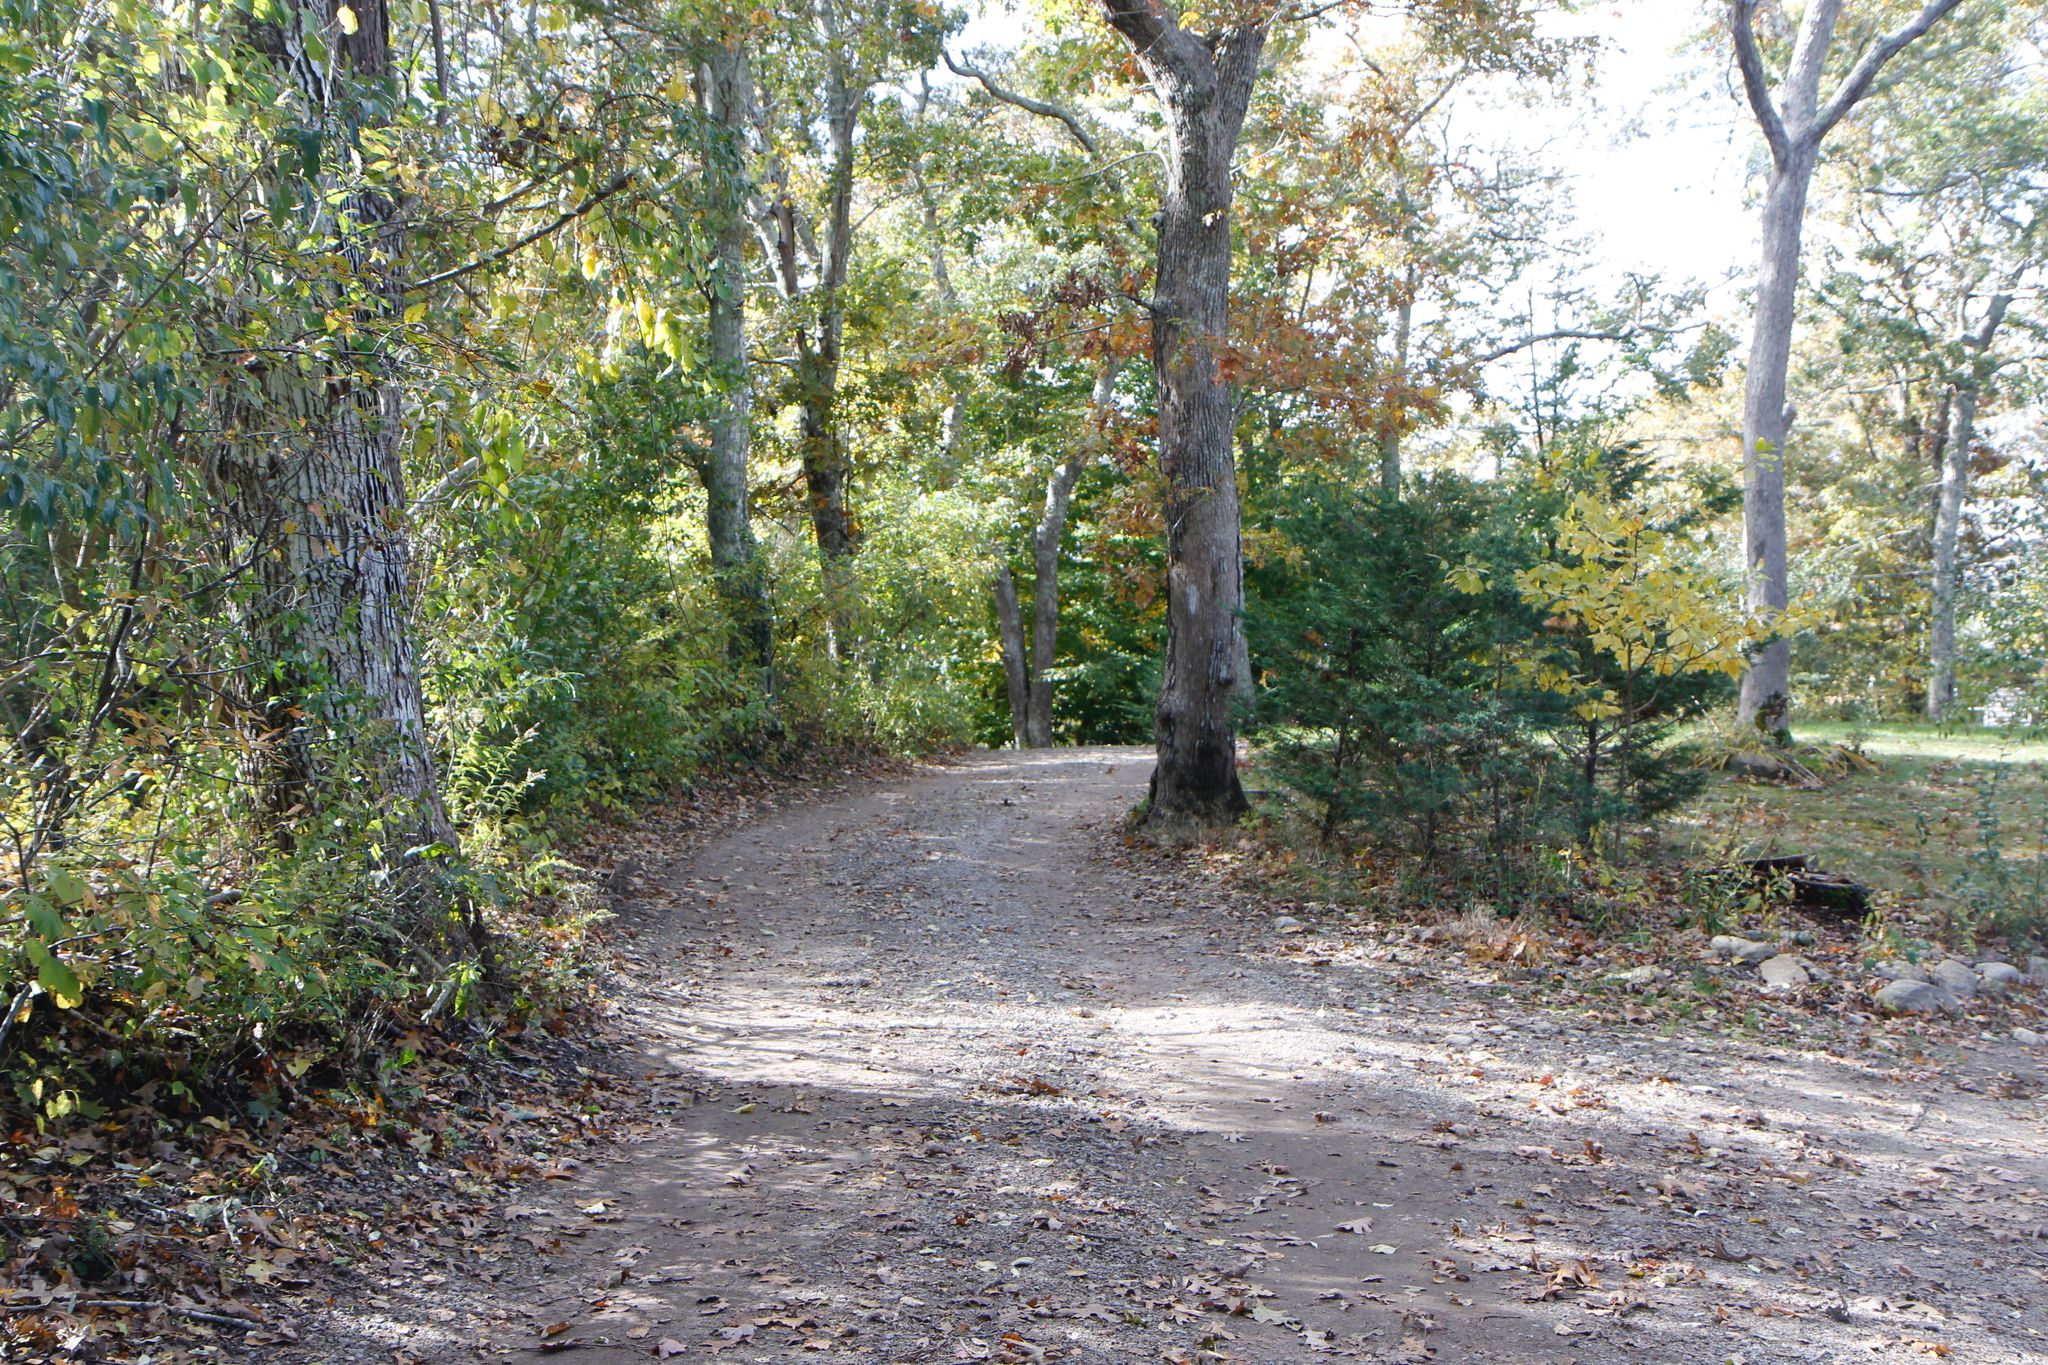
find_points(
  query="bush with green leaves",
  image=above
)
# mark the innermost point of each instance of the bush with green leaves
(1476, 673)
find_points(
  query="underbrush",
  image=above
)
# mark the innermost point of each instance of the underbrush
(1947, 842)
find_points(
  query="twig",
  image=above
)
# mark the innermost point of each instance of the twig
(14, 1012)
(195, 1314)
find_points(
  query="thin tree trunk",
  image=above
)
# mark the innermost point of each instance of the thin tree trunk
(1045, 544)
(1794, 121)
(953, 423)
(736, 561)
(1396, 421)
(1948, 518)
(1766, 421)
(1010, 633)
(1204, 86)
(311, 483)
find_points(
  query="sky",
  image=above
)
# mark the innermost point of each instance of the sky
(1656, 152)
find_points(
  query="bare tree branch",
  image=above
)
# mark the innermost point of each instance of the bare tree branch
(1755, 84)
(562, 219)
(1857, 83)
(1042, 108)
(1563, 334)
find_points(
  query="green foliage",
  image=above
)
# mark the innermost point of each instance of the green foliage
(1491, 671)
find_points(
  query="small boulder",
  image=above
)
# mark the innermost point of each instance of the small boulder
(1636, 978)
(2027, 1036)
(1914, 997)
(1956, 977)
(1898, 969)
(2037, 970)
(1783, 973)
(1999, 977)
(1741, 949)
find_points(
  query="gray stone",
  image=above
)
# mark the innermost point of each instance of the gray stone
(2037, 970)
(1783, 973)
(1741, 949)
(1287, 924)
(1999, 977)
(1636, 978)
(1898, 969)
(1914, 997)
(1957, 978)
(2027, 1036)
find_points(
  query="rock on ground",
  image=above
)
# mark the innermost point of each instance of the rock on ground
(1741, 949)
(1914, 997)
(1783, 973)
(1957, 978)
(1999, 977)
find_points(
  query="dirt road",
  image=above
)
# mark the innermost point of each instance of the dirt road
(944, 1076)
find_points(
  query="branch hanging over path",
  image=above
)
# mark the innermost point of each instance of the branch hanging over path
(561, 220)
(1042, 108)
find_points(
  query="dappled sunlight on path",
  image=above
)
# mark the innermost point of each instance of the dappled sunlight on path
(943, 1076)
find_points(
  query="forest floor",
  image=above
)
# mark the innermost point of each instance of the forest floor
(941, 1068)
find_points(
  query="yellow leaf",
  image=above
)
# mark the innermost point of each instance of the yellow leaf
(346, 17)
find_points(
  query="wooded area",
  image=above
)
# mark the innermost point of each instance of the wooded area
(434, 436)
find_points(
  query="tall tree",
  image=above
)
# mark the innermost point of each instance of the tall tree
(724, 91)
(834, 56)
(308, 457)
(1203, 83)
(1028, 661)
(1794, 121)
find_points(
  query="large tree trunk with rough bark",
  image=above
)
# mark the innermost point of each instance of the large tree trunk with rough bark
(736, 561)
(826, 470)
(312, 488)
(1953, 494)
(1204, 86)
(1794, 121)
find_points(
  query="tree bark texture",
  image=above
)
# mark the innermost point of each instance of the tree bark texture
(826, 470)
(1010, 635)
(736, 561)
(313, 491)
(1766, 422)
(1794, 121)
(1396, 421)
(1204, 86)
(1953, 494)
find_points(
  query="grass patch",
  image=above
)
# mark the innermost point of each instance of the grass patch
(1949, 830)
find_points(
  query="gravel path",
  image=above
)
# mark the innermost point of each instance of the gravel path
(941, 1072)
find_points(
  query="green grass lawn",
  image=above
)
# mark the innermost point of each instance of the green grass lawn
(1948, 829)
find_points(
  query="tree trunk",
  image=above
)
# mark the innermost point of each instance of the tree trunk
(1045, 544)
(1045, 599)
(823, 454)
(1948, 521)
(1010, 633)
(1204, 86)
(736, 561)
(1948, 517)
(1766, 421)
(1794, 121)
(1396, 421)
(312, 487)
